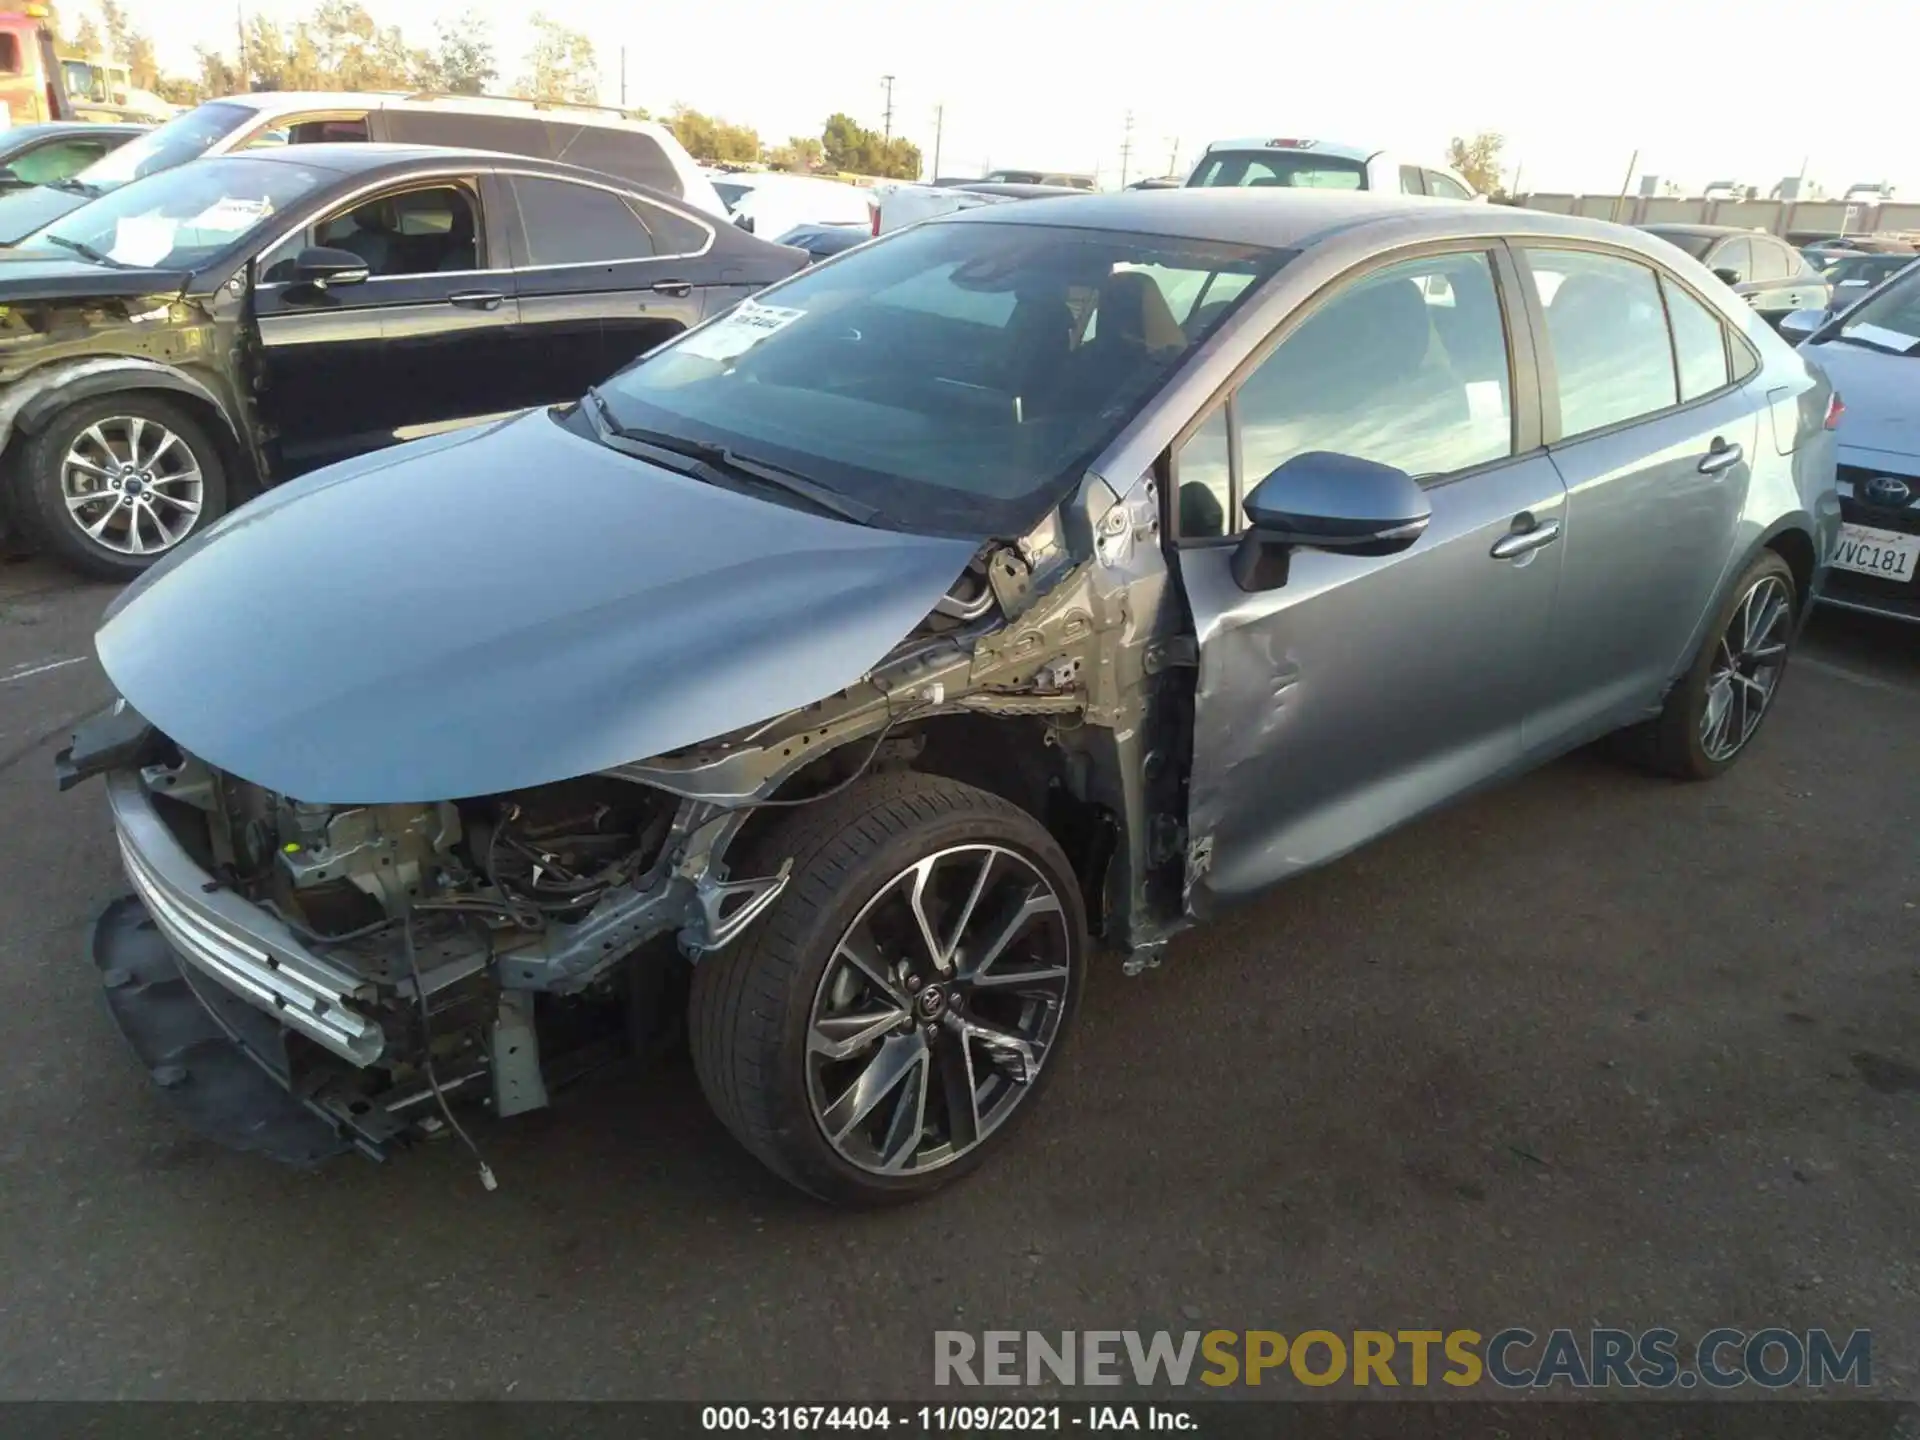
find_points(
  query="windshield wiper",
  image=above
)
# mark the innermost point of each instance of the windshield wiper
(83, 250)
(716, 464)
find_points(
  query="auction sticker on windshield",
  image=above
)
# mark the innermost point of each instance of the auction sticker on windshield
(738, 332)
(1886, 553)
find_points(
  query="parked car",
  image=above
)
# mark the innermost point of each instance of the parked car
(1766, 272)
(1062, 179)
(1851, 277)
(1323, 165)
(893, 636)
(1872, 352)
(596, 139)
(181, 342)
(896, 207)
(52, 152)
(823, 242)
(768, 203)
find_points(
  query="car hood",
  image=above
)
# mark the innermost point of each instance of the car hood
(498, 609)
(24, 211)
(36, 275)
(1882, 394)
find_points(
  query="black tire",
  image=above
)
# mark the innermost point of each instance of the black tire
(1672, 744)
(752, 1005)
(56, 530)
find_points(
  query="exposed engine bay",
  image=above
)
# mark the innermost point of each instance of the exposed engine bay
(499, 945)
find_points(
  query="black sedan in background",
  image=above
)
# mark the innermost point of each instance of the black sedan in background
(1765, 271)
(50, 153)
(175, 345)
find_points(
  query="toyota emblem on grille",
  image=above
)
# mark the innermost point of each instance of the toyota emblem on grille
(1888, 490)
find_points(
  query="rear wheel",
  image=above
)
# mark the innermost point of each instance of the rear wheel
(897, 1009)
(110, 485)
(1716, 708)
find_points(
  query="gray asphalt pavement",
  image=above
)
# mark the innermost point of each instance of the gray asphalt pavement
(1591, 1049)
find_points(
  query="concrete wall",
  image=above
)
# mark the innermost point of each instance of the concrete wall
(1827, 217)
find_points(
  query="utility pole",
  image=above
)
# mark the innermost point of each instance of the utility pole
(939, 123)
(887, 80)
(1632, 164)
(1126, 149)
(246, 81)
(623, 77)
(1173, 157)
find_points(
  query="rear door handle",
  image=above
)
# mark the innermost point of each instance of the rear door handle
(1720, 456)
(477, 299)
(679, 289)
(1524, 542)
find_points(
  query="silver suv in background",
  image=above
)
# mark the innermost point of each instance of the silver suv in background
(1324, 165)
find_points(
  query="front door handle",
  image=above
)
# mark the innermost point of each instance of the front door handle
(1720, 456)
(477, 299)
(679, 289)
(1524, 542)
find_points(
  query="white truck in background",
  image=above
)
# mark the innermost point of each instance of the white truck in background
(897, 206)
(1324, 165)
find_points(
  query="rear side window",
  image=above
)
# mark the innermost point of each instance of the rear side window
(1297, 169)
(1608, 332)
(569, 224)
(1699, 343)
(672, 234)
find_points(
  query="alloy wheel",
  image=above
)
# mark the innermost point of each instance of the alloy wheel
(1747, 663)
(132, 485)
(937, 1008)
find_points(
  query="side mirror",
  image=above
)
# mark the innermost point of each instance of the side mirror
(745, 222)
(323, 268)
(1325, 501)
(1798, 325)
(1726, 276)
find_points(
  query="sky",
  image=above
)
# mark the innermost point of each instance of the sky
(1576, 89)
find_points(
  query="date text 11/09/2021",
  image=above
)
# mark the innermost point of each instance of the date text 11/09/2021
(937, 1419)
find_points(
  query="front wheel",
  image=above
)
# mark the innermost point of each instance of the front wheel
(1715, 709)
(110, 485)
(901, 1003)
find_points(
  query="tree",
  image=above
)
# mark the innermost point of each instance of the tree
(218, 75)
(464, 63)
(1478, 161)
(709, 138)
(85, 41)
(800, 154)
(119, 30)
(849, 145)
(561, 65)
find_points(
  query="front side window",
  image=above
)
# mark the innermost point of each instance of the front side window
(1699, 343)
(184, 217)
(1203, 481)
(9, 53)
(1608, 332)
(569, 224)
(1410, 181)
(1446, 187)
(424, 231)
(183, 138)
(1295, 169)
(1407, 367)
(1735, 257)
(1770, 261)
(959, 377)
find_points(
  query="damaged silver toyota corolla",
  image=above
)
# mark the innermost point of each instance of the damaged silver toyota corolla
(833, 674)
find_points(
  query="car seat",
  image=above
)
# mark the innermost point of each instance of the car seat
(461, 250)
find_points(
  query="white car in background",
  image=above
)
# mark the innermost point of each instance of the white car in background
(770, 203)
(1324, 165)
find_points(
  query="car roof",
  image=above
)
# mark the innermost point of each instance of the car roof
(1334, 148)
(1293, 219)
(350, 157)
(283, 101)
(278, 100)
(41, 128)
(1709, 230)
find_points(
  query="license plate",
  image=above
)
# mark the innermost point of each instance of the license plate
(1886, 553)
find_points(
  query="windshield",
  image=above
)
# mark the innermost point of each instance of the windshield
(1890, 318)
(1294, 169)
(185, 137)
(181, 218)
(956, 377)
